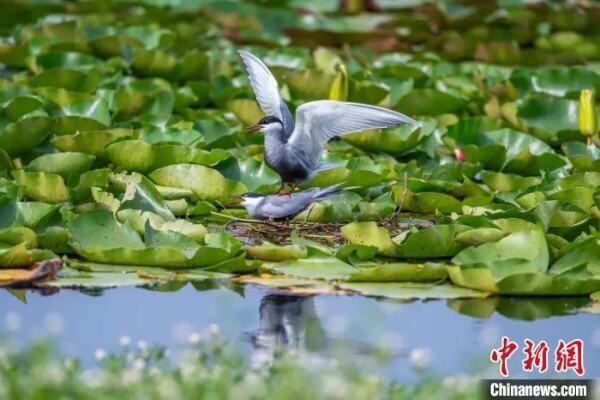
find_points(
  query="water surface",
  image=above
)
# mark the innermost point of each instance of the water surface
(449, 337)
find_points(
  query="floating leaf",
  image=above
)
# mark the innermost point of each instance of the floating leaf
(141, 194)
(399, 272)
(368, 233)
(429, 102)
(97, 236)
(315, 267)
(270, 252)
(101, 280)
(555, 81)
(131, 155)
(411, 291)
(67, 79)
(582, 156)
(246, 110)
(435, 242)
(522, 251)
(63, 164)
(554, 120)
(25, 134)
(91, 142)
(584, 254)
(42, 186)
(206, 183)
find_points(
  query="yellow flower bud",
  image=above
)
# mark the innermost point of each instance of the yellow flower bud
(588, 124)
(339, 87)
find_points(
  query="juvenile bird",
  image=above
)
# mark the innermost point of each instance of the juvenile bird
(279, 207)
(293, 149)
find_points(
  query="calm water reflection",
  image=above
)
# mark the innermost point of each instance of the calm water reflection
(452, 337)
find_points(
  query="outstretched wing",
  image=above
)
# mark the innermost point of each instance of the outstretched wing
(266, 90)
(319, 121)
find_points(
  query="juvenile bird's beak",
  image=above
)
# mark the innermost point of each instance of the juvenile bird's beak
(236, 199)
(254, 128)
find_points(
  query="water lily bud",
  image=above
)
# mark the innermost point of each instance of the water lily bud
(588, 124)
(458, 153)
(339, 87)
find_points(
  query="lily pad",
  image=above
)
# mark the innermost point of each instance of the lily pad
(206, 183)
(25, 134)
(63, 164)
(411, 291)
(42, 186)
(316, 267)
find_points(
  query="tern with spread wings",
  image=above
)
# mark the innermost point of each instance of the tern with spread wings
(293, 149)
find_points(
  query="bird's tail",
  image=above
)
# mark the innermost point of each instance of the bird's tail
(328, 192)
(323, 166)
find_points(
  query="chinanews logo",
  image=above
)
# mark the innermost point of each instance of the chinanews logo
(567, 356)
(563, 358)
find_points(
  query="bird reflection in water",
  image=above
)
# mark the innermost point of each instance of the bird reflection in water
(291, 322)
(288, 321)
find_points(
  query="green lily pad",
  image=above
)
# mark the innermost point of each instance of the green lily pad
(551, 118)
(69, 79)
(315, 267)
(435, 242)
(42, 186)
(584, 254)
(271, 252)
(524, 284)
(555, 81)
(411, 290)
(369, 234)
(131, 155)
(97, 280)
(522, 251)
(429, 102)
(399, 272)
(206, 183)
(63, 164)
(98, 237)
(91, 142)
(25, 134)
(583, 157)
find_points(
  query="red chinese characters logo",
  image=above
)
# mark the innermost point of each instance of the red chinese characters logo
(535, 356)
(567, 356)
(502, 354)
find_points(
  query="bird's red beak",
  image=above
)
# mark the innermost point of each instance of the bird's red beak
(254, 128)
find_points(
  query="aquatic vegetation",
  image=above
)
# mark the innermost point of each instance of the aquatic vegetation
(122, 148)
(208, 367)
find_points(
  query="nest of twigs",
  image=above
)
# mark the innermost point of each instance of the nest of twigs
(253, 233)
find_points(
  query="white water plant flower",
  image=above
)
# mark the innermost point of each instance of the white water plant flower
(124, 341)
(420, 358)
(100, 354)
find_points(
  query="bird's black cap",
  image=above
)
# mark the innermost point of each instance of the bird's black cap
(250, 195)
(268, 120)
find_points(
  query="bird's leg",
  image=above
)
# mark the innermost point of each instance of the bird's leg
(280, 188)
(289, 192)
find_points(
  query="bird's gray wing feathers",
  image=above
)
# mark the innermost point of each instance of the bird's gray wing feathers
(319, 121)
(276, 206)
(266, 90)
